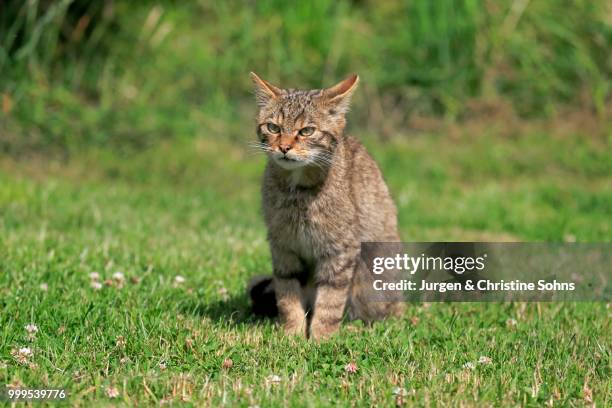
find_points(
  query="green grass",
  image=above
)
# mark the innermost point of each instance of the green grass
(191, 208)
(80, 73)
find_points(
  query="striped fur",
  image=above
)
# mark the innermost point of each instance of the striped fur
(322, 196)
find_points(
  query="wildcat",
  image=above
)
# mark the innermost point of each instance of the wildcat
(322, 196)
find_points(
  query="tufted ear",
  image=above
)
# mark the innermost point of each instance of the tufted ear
(265, 91)
(339, 95)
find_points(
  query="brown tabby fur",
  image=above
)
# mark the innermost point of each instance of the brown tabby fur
(322, 196)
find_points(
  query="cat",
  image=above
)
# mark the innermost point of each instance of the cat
(323, 195)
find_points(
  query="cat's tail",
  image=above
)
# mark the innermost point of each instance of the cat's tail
(263, 299)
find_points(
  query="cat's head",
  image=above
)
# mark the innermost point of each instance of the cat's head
(301, 127)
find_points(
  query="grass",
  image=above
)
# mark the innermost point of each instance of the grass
(191, 208)
(79, 73)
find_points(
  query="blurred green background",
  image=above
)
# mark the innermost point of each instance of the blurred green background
(125, 74)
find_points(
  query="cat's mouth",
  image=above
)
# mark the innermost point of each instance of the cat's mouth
(288, 162)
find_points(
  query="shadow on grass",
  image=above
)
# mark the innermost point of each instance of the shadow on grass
(235, 310)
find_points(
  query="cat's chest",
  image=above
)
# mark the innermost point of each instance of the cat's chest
(298, 214)
(301, 222)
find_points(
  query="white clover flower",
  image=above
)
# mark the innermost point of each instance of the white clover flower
(400, 391)
(94, 276)
(31, 328)
(119, 276)
(274, 379)
(44, 287)
(469, 365)
(485, 360)
(178, 279)
(96, 285)
(22, 355)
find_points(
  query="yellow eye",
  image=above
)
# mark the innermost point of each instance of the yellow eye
(273, 128)
(307, 131)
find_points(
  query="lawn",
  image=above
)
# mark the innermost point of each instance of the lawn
(174, 232)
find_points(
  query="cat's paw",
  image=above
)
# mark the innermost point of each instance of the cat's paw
(295, 328)
(322, 332)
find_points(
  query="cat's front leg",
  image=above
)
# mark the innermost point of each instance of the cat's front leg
(289, 293)
(334, 278)
(290, 307)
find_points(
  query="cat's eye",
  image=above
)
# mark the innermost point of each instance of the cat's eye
(273, 128)
(307, 131)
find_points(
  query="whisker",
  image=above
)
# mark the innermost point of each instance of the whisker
(258, 146)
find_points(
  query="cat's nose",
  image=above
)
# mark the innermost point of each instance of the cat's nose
(284, 148)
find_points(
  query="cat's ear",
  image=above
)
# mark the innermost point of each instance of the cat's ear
(339, 95)
(265, 91)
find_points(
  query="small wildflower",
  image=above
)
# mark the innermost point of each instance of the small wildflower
(274, 379)
(400, 393)
(94, 276)
(227, 363)
(511, 323)
(22, 355)
(44, 287)
(119, 276)
(32, 329)
(350, 368)
(162, 365)
(96, 285)
(469, 365)
(485, 360)
(112, 392)
(178, 280)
